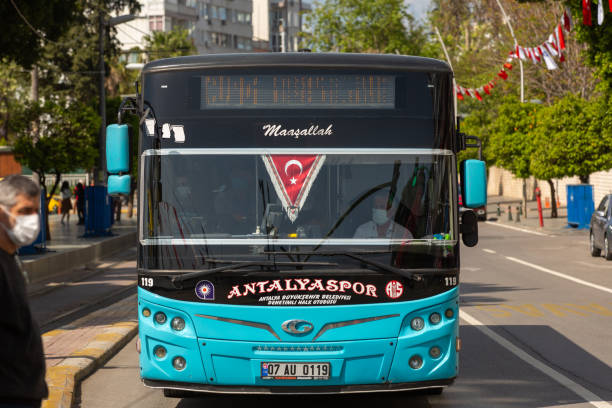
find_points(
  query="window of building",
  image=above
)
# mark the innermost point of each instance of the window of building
(222, 13)
(156, 23)
(212, 11)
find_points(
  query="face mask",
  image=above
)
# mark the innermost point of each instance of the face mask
(379, 216)
(26, 229)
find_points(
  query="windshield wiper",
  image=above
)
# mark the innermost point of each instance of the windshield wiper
(178, 280)
(387, 268)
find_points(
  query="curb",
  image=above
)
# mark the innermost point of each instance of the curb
(63, 378)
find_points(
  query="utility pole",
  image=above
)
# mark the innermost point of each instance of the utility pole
(451, 66)
(99, 177)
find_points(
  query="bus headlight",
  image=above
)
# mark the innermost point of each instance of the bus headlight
(177, 324)
(179, 363)
(417, 324)
(415, 362)
(160, 317)
(160, 352)
(435, 352)
(146, 312)
(435, 318)
(449, 313)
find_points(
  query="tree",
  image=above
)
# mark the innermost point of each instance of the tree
(167, 44)
(13, 89)
(571, 140)
(47, 19)
(56, 138)
(69, 67)
(381, 26)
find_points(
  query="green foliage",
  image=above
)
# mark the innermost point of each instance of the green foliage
(51, 18)
(573, 138)
(379, 26)
(167, 44)
(69, 67)
(13, 90)
(56, 138)
(511, 140)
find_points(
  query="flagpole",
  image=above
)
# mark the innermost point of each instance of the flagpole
(507, 21)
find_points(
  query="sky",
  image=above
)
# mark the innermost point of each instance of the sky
(418, 8)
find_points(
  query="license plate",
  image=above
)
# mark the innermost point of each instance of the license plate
(295, 371)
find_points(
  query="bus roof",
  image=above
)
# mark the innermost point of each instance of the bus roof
(300, 59)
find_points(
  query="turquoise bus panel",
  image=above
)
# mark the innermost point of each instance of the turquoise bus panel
(119, 184)
(117, 149)
(474, 180)
(226, 353)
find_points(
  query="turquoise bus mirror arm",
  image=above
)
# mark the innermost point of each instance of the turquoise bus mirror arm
(473, 183)
(118, 159)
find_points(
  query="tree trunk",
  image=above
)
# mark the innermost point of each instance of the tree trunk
(131, 202)
(553, 210)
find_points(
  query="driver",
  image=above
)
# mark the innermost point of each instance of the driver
(382, 225)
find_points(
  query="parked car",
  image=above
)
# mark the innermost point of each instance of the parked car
(601, 229)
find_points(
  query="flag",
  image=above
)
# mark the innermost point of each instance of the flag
(292, 176)
(566, 18)
(477, 95)
(459, 96)
(600, 12)
(508, 65)
(586, 12)
(502, 74)
(610, 5)
(560, 39)
(550, 47)
(487, 89)
(550, 62)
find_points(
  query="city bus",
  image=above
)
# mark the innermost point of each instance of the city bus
(299, 229)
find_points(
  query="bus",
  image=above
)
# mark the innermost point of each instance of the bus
(299, 230)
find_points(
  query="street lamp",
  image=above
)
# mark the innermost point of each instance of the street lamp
(113, 21)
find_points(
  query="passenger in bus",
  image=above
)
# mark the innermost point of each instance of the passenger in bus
(229, 202)
(382, 224)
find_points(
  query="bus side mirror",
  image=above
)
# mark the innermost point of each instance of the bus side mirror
(118, 159)
(469, 228)
(473, 183)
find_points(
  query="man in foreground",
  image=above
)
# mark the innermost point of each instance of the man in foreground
(22, 362)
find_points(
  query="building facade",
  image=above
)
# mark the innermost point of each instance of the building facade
(276, 24)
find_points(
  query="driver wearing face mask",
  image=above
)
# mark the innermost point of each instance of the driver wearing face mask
(22, 363)
(381, 225)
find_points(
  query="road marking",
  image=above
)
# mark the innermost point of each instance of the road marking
(578, 389)
(559, 274)
(518, 229)
(489, 251)
(546, 309)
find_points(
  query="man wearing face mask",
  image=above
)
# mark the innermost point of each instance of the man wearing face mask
(22, 363)
(381, 225)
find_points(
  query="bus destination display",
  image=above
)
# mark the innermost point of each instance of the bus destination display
(297, 91)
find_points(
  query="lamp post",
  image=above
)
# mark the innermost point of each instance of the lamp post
(102, 24)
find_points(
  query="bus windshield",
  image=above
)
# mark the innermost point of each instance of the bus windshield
(306, 197)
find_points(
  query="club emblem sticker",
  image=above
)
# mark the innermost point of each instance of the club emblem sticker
(394, 289)
(205, 290)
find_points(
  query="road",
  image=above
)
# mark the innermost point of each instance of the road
(536, 324)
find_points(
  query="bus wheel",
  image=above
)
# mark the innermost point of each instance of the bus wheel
(434, 391)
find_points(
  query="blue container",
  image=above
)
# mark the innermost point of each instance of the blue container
(97, 212)
(40, 244)
(580, 205)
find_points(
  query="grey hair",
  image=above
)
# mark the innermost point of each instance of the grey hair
(12, 186)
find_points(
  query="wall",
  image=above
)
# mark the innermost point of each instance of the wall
(501, 182)
(8, 165)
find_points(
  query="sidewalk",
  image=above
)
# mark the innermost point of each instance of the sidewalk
(68, 249)
(530, 221)
(75, 350)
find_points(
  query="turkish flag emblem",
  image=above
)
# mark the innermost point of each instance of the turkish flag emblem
(292, 176)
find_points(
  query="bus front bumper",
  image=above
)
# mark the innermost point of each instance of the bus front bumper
(288, 390)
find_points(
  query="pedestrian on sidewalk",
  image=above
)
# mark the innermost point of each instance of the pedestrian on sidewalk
(79, 193)
(22, 362)
(66, 195)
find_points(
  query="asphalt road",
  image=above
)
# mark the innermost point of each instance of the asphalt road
(536, 329)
